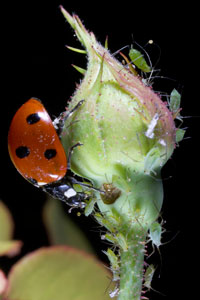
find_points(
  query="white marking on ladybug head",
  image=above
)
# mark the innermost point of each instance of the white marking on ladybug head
(70, 193)
(56, 122)
(41, 183)
(44, 116)
(54, 176)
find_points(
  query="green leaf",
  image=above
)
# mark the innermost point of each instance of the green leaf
(138, 59)
(3, 282)
(58, 273)
(6, 223)
(79, 69)
(61, 229)
(8, 246)
(77, 50)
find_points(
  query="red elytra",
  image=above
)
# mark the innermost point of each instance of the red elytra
(34, 146)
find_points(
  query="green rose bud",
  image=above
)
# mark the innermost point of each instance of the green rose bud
(128, 134)
(126, 130)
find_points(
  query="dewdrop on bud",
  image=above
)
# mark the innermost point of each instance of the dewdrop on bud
(127, 133)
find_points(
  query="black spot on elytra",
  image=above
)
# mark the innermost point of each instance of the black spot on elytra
(22, 152)
(50, 153)
(33, 118)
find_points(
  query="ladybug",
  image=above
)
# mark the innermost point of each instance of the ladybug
(36, 151)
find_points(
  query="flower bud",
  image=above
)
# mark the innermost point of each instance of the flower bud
(127, 133)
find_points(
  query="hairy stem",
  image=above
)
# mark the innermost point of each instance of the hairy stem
(132, 263)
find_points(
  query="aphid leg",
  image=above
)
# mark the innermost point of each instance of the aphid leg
(149, 255)
(72, 180)
(118, 51)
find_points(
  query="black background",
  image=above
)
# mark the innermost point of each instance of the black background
(35, 62)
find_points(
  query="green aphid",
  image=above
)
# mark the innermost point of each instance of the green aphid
(104, 222)
(138, 60)
(122, 242)
(90, 206)
(113, 259)
(110, 238)
(152, 159)
(174, 104)
(179, 134)
(148, 276)
(175, 101)
(155, 234)
(114, 262)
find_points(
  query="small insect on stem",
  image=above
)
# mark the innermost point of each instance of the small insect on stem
(155, 235)
(174, 104)
(148, 276)
(139, 61)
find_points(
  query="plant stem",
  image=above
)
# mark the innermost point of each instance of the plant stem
(132, 263)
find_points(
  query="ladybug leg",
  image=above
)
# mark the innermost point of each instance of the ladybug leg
(72, 180)
(74, 109)
(60, 121)
(70, 154)
(63, 190)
